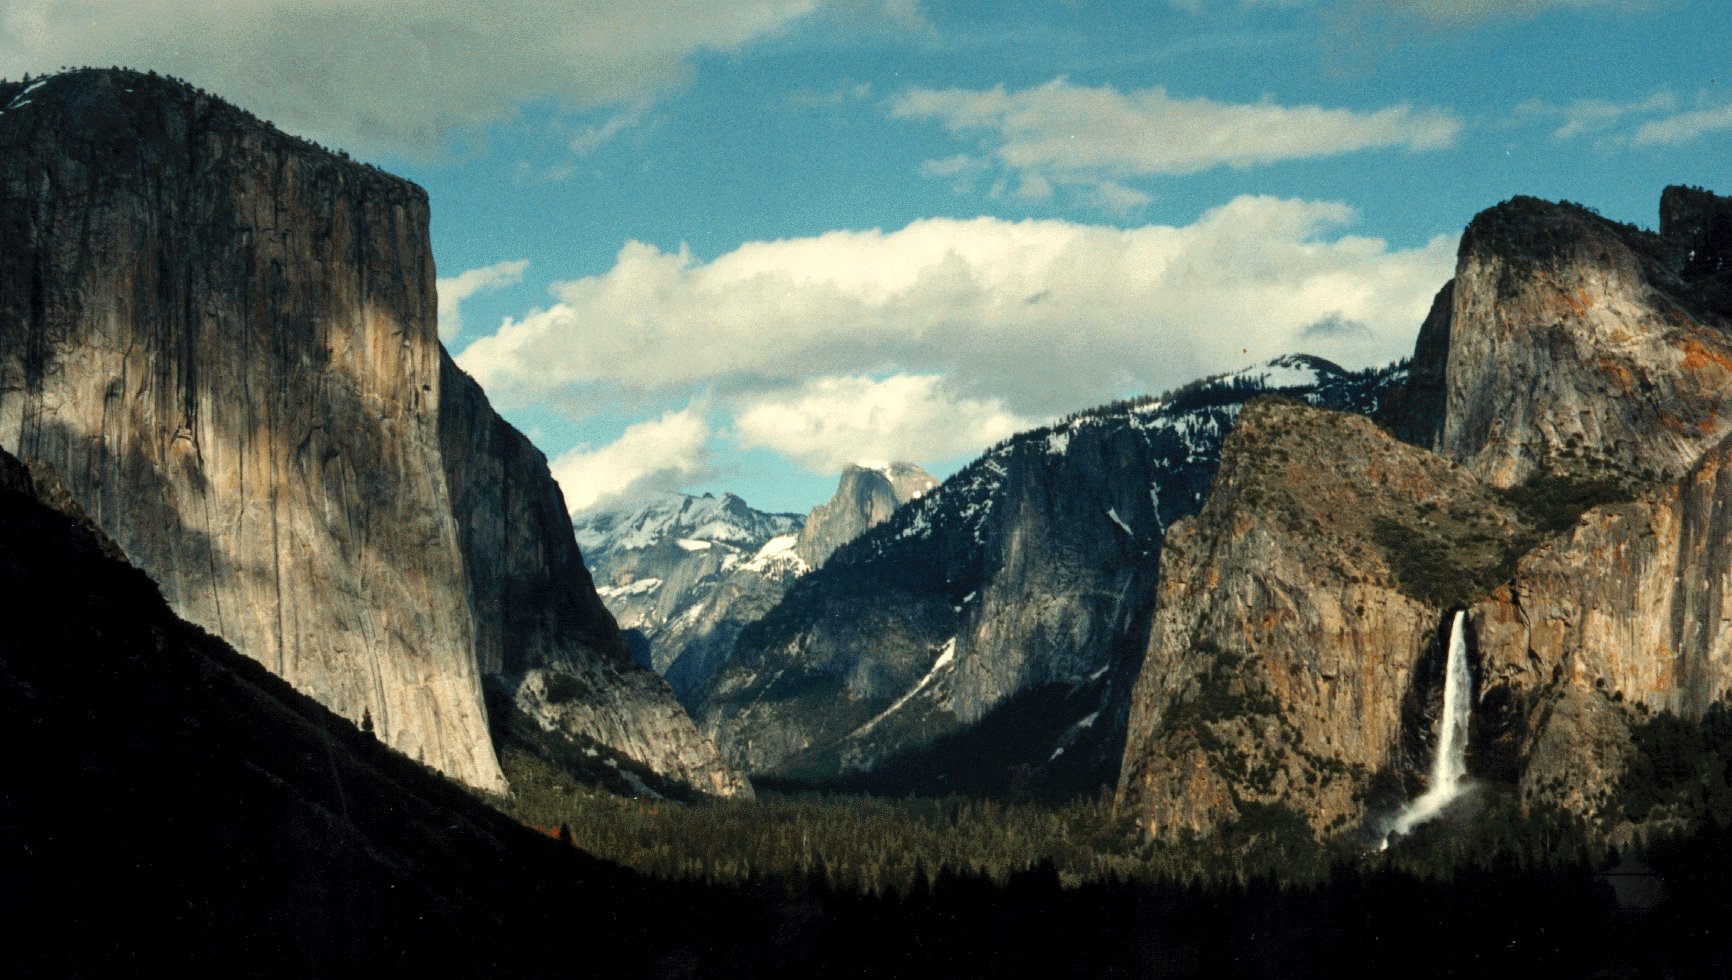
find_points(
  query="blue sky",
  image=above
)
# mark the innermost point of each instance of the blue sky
(734, 246)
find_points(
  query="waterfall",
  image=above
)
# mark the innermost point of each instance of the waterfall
(1449, 764)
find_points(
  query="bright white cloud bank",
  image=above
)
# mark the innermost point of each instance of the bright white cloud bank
(454, 290)
(660, 454)
(391, 74)
(1076, 135)
(828, 423)
(940, 337)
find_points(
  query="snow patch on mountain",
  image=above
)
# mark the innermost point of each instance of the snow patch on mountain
(642, 586)
(946, 657)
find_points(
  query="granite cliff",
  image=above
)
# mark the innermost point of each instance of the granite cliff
(1574, 343)
(865, 497)
(183, 811)
(1619, 618)
(1296, 641)
(1565, 490)
(222, 341)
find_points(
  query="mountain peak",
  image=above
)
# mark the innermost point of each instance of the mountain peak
(866, 495)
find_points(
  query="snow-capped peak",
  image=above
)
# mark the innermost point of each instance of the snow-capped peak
(693, 523)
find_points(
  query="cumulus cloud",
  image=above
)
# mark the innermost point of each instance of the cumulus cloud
(661, 454)
(391, 74)
(454, 290)
(1028, 318)
(830, 422)
(1094, 137)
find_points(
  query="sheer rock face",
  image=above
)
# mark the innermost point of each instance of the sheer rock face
(223, 340)
(1573, 340)
(1628, 608)
(864, 499)
(1698, 224)
(1294, 647)
(536, 609)
(1300, 618)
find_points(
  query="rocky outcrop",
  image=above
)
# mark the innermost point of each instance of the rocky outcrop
(1296, 648)
(223, 341)
(541, 631)
(1629, 608)
(1698, 225)
(1415, 411)
(1574, 342)
(1295, 656)
(1012, 599)
(865, 498)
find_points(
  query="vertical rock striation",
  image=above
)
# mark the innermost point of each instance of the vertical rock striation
(1571, 361)
(223, 341)
(1628, 608)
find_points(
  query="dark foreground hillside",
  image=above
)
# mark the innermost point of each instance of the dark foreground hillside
(168, 805)
(167, 801)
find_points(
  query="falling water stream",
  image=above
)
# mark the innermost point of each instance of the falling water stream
(1449, 765)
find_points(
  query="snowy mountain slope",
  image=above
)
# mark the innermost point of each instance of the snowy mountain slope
(1025, 579)
(676, 570)
(683, 575)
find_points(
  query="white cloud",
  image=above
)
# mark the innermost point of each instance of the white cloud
(1091, 137)
(454, 290)
(1685, 127)
(1030, 318)
(391, 74)
(1586, 117)
(830, 422)
(1462, 11)
(660, 454)
(1652, 121)
(592, 137)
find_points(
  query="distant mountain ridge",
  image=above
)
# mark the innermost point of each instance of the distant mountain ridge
(684, 574)
(1019, 588)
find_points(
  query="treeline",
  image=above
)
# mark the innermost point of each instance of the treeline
(858, 844)
(813, 886)
(874, 845)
